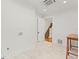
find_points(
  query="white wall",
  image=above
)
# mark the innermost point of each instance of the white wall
(64, 23)
(16, 19)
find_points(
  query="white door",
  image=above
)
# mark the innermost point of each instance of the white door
(41, 29)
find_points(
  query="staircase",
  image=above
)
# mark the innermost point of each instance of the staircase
(47, 34)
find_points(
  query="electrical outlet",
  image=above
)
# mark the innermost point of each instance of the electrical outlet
(59, 41)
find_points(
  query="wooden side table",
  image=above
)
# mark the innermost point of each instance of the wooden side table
(71, 37)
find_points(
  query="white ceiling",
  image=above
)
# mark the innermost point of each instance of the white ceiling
(56, 7)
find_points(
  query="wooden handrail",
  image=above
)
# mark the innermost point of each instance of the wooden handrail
(47, 32)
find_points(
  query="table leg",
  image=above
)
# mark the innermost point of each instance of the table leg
(67, 49)
(70, 45)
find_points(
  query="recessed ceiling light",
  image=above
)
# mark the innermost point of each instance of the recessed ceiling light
(65, 2)
(44, 9)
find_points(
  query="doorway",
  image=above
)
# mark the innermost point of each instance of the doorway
(44, 29)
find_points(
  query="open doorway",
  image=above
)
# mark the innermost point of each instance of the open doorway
(44, 29)
(40, 29)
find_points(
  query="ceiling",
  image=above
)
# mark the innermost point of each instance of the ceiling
(58, 6)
